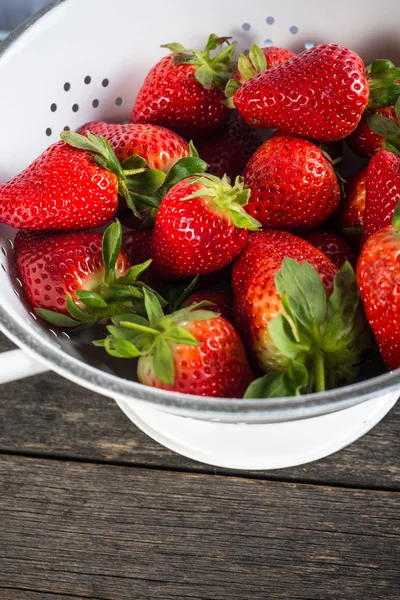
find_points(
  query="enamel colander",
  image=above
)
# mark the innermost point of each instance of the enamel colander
(80, 60)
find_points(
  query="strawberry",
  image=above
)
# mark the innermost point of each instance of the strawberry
(137, 247)
(383, 191)
(200, 227)
(281, 285)
(193, 351)
(220, 300)
(333, 246)
(352, 207)
(363, 140)
(378, 275)
(320, 94)
(184, 91)
(74, 184)
(254, 64)
(294, 185)
(228, 152)
(77, 278)
(160, 147)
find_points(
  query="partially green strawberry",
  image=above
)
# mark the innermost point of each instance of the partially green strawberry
(300, 316)
(293, 184)
(320, 94)
(184, 91)
(192, 351)
(382, 192)
(201, 227)
(378, 275)
(79, 278)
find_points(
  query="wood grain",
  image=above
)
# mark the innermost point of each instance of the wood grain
(48, 415)
(117, 533)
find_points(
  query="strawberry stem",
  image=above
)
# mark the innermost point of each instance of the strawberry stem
(319, 370)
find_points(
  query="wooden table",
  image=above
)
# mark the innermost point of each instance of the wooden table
(92, 508)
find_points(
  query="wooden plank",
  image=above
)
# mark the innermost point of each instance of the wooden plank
(48, 415)
(116, 533)
(23, 594)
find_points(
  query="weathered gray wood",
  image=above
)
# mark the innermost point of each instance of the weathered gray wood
(22, 594)
(116, 533)
(51, 416)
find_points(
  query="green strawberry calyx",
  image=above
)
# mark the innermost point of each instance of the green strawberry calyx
(116, 294)
(140, 186)
(209, 71)
(324, 339)
(248, 67)
(226, 198)
(154, 336)
(383, 76)
(387, 128)
(396, 218)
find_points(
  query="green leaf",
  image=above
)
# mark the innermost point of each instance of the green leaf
(385, 96)
(179, 295)
(56, 318)
(174, 47)
(99, 343)
(130, 318)
(146, 182)
(163, 362)
(241, 219)
(134, 162)
(282, 335)
(91, 299)
(382, 125)
(184, 168)
(120, 348)
(305, 294)
(397, 109)
(342, 307)
(258, 59)
(119, 293)
(153, 307)
(392, 148)
(201, 315)
(386, 77)
(111, 247)
(205, 76)
(231, 88)
(245, 67)
(380, 65)
(193, 150)
(213, 42)
(142, 201)
(298, 375)
(77, 313)
(122, 332)
(134, 273)
(396, 218)
(179, 335)
(272, 385)
(355, 232)
(81, 142)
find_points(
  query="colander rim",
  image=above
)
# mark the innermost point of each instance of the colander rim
(263, 410)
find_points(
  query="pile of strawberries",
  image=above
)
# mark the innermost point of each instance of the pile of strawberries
(229, 269)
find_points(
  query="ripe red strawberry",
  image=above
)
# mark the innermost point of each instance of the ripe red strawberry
(274, 56)
(137, 247)
(184, 91)
(79, 277)
(222, 302)
(363, 140)
(352, 207)
(319, 94)
(321, 343)
(192, 351)
(333, 246)
(378, 275)
(73, 185)
(200, 227)
(228, 152)
(160, 147)
(383, 191)
(294, 186)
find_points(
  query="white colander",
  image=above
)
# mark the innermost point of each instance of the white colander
(81, 60)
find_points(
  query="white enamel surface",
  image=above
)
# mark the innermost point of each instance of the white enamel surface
(17, 365)
(120, 41)
(271, 446)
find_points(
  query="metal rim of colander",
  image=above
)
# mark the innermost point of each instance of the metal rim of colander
(266, 410)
